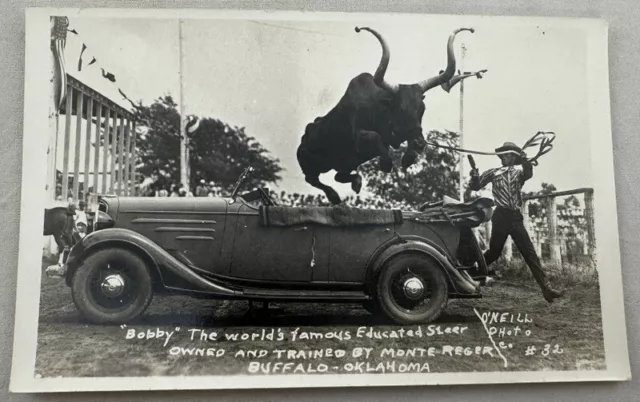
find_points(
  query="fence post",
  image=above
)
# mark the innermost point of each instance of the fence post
(113, 137)
(87, 145)
(78, 142)
(126, 178)
(134, 190)
(588, 211)
(537, 244)
(67, 142)
(508, 250)
(96, 160)
(105, 149)
(526, 220)
(525, 215)
(552, 221)
(120, 147)
(487, 233)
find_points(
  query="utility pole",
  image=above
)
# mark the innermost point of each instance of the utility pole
(184, 152)
(464, 50)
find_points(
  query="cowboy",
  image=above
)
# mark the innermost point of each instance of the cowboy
(507, 220)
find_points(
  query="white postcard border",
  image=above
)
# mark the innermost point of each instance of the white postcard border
(33, 181)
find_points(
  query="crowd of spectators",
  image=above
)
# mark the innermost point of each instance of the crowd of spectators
(159, 185)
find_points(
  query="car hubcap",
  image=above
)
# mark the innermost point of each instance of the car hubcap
(413, 288)
(112, 285)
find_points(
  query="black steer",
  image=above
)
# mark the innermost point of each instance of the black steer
(370, 117)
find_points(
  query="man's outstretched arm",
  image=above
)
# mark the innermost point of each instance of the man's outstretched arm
(478, 181)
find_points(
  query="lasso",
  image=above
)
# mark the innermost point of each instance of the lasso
(542, 139)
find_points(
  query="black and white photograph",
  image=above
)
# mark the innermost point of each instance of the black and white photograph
(256, 200)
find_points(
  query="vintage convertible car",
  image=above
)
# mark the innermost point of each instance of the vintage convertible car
(405, 264)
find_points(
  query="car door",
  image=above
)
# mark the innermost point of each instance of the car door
(351, 249)
(271, 254)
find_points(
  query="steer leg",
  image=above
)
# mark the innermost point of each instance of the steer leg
(331, 194)
(386, 163)
(370, 143)
(348, 177)
(413, 149)
(312, 165)
(395, 141)
(58, 237)
(409, 158)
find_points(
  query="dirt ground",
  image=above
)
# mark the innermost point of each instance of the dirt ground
(312, 338)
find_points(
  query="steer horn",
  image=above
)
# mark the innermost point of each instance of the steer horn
(448, 73)
(378, 77)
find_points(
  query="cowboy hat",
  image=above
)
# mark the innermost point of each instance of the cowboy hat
(510, 147)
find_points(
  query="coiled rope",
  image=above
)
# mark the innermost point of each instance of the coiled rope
(542, 139)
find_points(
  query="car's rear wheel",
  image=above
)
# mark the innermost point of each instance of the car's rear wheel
(412, 289)
(112, 286)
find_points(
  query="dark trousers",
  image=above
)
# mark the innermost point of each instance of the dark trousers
(507, 222)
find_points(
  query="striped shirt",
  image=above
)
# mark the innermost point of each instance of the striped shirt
(507, 184)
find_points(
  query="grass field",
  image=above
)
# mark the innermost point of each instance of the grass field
(309, 336)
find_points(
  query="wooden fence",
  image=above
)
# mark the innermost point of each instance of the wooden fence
(102, 156)
(550, 242)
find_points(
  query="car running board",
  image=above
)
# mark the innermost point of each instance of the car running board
(316, 295)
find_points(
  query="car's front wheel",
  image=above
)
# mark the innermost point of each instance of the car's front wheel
(412, 289)
(112, 286)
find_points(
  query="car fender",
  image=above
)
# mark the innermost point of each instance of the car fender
(160, 260)
(415, 244)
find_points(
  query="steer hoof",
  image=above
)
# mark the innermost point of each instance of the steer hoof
(356, 184)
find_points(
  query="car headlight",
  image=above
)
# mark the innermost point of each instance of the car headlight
(102, 220)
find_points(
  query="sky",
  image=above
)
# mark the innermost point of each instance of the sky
(273, 77)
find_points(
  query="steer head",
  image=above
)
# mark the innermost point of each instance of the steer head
(407, 105)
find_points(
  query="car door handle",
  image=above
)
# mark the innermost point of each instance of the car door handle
(302, 228)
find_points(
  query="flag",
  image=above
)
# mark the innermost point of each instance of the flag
(108, 76)
(125, 97)
(84, 47)
(58, 43)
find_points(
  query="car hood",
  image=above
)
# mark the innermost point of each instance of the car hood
(119, 205)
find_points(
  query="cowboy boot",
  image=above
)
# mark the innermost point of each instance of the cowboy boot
(549, 293)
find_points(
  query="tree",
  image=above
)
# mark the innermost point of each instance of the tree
(218, 152)
(538, 210)
(434, 174)
(221, 153)
(571, 219)
(158, 144)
